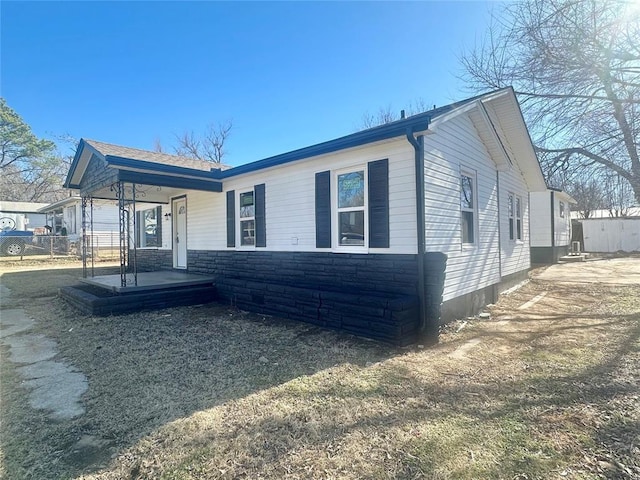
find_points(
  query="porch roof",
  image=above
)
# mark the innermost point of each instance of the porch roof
(97, 165)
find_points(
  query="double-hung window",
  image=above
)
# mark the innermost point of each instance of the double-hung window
(247, 218)
(514, 204)
(561, 206)
(511, 213)
(518, 218)
(468, 208)
(149, 228)
(351, 208)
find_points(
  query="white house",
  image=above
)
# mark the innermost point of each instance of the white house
(383, 233)
(101, 223)
(550, 225)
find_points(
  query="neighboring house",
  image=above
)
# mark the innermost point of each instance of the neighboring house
(101, 223)
(383, 233)
(65, 216)
(21, 215)
(550, 225)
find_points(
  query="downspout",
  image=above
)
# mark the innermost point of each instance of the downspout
(426, 329)
(499, 228)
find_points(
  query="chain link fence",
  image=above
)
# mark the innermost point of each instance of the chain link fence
(103, 246)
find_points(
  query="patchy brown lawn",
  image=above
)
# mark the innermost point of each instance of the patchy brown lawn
(548, 391)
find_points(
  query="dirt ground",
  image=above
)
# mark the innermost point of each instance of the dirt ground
(612, 271)
(547, 387)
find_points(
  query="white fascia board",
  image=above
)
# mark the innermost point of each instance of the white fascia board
(507, 162)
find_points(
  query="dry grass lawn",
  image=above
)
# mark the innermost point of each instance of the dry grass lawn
(551, 391)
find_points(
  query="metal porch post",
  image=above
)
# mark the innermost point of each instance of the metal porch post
(135, 243)
(84, 236)
(122, 224)
(92, 236)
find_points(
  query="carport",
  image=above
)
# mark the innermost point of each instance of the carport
(130, 177)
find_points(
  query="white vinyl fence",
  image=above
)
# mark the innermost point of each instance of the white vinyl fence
(611, 234)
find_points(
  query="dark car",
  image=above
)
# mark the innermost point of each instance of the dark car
(14, 242)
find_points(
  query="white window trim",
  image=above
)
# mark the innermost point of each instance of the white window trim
(511, 216)
(474, 177)
(335, 211)
(238, 220)
(518, 198)
(141, 232)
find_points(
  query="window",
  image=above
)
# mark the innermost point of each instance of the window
(467, 206)
(247, 219)
(561, 205)
(351, 208)
(518, 218)
(511, 213)
(149, 234)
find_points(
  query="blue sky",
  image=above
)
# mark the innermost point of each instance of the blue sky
(289, 74)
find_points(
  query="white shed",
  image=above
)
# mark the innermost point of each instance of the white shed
(550, 225)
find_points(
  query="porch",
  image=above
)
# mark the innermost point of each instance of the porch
(148, 281)
(105, 295)
(139, 183)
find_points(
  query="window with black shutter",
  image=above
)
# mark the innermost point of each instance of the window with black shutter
(359, 208)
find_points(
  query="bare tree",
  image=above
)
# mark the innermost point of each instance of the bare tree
(157, 146)
(588, 194)
(210, 146)
(382, 116)
(388, 114)
(618, 196)
(575, 66)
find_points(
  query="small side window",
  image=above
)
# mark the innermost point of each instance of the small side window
(468, 208)
(511, 214)
(518, 218)
(561, 205)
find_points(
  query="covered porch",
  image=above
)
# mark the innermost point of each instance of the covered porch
(137, 180)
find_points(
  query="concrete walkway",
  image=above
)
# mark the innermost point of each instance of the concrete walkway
(53, 385)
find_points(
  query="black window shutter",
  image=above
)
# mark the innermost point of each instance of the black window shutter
(261, 231)
(379, 204)
(231, 218)
(137, 232)
(158, 227)
(323, 209)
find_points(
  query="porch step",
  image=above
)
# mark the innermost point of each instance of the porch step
(98, 301)
(581, 257)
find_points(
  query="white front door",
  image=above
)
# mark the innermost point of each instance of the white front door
(179, 215)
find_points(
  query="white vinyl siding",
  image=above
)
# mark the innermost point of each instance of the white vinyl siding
(540, 223)
(290, 202)
(456, 148)
(515, 253)
(562, 223)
